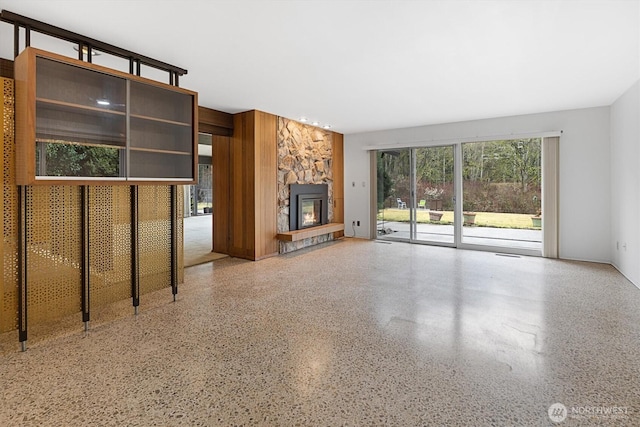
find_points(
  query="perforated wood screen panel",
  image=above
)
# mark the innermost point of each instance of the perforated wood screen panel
(180, 233)
(110, 244)
(54, 251)
(9, 288)
(154, 237)
(54, 240)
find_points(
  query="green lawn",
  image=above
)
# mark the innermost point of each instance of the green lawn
(483, 219)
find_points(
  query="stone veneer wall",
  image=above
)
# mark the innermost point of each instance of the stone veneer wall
(304, 157)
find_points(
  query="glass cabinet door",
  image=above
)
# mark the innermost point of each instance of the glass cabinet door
(80, 122)
(161, 133)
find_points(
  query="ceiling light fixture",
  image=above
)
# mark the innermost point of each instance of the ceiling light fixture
(303, 119)
(103, 102)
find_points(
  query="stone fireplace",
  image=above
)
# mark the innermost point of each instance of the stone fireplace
(305, 162)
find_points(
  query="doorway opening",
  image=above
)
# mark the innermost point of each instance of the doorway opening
(199, 197)
(198, 222)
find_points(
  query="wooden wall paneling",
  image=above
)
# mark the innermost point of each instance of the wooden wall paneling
(215, 118)
(338, 181)
(220, 126)
(215, 122)
(247, 197)
(245, 187)
(235, 186)
(241, 193)
(221, 204)
(266, 196)
(215, 130)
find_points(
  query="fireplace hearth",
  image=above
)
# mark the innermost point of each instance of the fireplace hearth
(308, 205)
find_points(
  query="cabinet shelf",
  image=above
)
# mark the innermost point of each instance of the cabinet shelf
(153, 150)
(61, 121)
(78, 122)
(70, 106)
(155, 119)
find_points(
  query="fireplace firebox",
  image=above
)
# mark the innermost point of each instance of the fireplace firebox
(309, 210)
(308, 205)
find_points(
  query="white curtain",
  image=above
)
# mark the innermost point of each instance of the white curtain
(550, 165)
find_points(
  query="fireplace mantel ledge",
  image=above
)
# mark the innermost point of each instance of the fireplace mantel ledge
(294, 236)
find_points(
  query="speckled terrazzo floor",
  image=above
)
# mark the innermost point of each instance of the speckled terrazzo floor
(350, 333)
(198, 240)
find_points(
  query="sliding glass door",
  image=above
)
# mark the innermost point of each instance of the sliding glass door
(434, 199)
(499, 185)
(416, 195)
(502, 194)
(394, 216)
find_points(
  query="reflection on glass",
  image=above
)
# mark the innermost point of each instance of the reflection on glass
(74, 160)
(79, 86)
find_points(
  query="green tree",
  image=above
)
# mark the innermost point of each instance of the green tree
(526, 161)
(81, 160)
(384, 180)
(434, 165)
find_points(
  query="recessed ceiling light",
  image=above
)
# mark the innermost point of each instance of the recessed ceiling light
(315, 123)
(103, 102)
(303, 119)
(326, 127)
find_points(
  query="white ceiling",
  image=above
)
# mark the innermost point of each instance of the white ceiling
(368, 65)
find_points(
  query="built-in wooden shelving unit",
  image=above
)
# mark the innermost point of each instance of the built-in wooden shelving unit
(80, 123)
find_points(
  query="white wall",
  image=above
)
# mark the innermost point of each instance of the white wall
(585, 175)
(625, 184)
